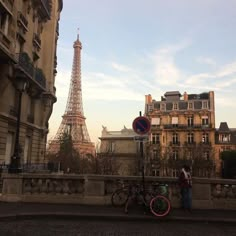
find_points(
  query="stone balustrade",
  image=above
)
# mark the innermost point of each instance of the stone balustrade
(97, 189)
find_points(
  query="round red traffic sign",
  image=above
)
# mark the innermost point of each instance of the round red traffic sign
(141, 125)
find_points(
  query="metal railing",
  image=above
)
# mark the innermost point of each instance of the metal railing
(24, 62)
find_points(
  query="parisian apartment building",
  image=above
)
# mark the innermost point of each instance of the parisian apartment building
(182, 131)
(29, 31)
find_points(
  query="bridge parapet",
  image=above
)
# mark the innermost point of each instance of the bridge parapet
(97, 189)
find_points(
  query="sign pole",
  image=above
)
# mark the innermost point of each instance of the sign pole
(141, 126)
(142, 157)
(142, 161)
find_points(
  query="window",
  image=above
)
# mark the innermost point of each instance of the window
(155, 138)
(155, 172)
(190, 105)
(190, 137)
(205, 120)
(155, 121)
(175, 155)
(4, 22)
(205, 138)
(9, 148)
(163, 106)
(204, 104)
(224, 138)
(27, 150)
(155, 155)
(206, 155)
(174, 121)
(190, 121)
(111, 146)
(175, 138)
(175, 173)
(175, 106)
(189, 154)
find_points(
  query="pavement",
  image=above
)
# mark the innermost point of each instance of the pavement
(21, 211)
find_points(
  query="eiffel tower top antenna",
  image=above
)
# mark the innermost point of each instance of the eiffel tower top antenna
(77, 33)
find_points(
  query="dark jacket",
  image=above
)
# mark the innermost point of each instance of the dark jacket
(185, 181)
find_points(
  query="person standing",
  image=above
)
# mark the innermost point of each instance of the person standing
(185, 183)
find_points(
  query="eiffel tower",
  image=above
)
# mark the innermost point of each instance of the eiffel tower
(73, 120)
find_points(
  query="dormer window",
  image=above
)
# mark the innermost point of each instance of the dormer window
(163, 106)
(224, 138)
(190, 105)
(205, 105)
(175, 106)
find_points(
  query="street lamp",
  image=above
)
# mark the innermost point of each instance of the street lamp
(15, 165)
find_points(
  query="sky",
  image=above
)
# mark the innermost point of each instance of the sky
(132, 48)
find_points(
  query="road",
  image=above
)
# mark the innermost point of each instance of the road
(86, 227)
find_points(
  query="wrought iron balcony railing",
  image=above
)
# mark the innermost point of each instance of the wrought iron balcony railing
(26, 66)
(7, 5)
(5, 40)
(183, 126)
(176, 143)
(37, 40)
(22, 21)
(45, 8)
(190, 143)
(25, 63)
(40, 78)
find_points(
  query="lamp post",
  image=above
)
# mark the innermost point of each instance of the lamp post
(15, 165)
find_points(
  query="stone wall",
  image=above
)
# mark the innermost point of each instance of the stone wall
(97, 189)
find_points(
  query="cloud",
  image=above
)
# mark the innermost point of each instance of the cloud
(62, 83)
(206, 60)
(222, 77)
(109, 88)
(165, 69)
(227, 70)
(121, 68)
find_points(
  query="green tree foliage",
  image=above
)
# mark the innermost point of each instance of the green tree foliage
(67, 159)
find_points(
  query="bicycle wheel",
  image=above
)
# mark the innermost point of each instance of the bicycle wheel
(160, 206)
(119, 197)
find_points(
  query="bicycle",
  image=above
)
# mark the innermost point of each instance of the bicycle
(155, 201)
(120, 196)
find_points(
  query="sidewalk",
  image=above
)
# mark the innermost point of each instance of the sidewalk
(17, 211)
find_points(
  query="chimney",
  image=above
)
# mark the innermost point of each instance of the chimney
(185, 96)
(148, 99)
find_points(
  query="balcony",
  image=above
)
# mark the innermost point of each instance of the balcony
(183, 126)
(206, 143)
(22, 22)
(175, 126)
(44, 8)
(174, 143)
(5, 40)
(190, 143)
(25, 64)
(7, 5)
(25, 68)
(37, 41)
(40, 78)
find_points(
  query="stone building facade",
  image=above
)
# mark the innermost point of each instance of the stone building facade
(29, 30)
(225, 140)
(182, 132)
(121, 148)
